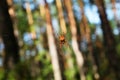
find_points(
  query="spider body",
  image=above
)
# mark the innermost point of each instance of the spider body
(62, 40)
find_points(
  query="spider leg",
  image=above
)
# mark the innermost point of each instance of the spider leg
(67, 44)
(60, 45)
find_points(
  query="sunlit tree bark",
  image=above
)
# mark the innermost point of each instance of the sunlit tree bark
(30, 20)
(109, 40)
(13, 16)
(29, 14)
(10, 41)
(52, 47)
(61, 17)
(78, 54)
(63, 31)
(41, 7)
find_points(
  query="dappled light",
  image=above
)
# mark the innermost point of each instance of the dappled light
(59, 39)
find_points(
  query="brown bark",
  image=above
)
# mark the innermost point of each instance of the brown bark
(10, 41)
(52, 46)
(78, 54)
(109, 40)
(29, 14)
(61, 16)
(7, 33)
(85, 33)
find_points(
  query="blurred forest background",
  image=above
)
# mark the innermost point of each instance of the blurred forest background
(59, 39)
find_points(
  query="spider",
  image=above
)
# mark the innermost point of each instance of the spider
(62, 40)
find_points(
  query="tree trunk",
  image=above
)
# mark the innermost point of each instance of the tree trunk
(86, 28)
(61, 16)
(109, 40)
(9, 39)
(78, 54)
(52, 47)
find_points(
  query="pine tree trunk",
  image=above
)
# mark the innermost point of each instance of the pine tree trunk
(55, 57)
(78, 54)
(9, 39)
(86, 34)
(109, 40)
(61, 16)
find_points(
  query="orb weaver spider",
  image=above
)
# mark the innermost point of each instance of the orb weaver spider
(62, 40)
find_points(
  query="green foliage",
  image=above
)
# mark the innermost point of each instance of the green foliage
(46, 72)
(53, 10)
(11, 75)
(22, 71)
(118, 49)
(113, 24)
(70, 73)
(1, 73)
(22, 21)
(89, 76)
